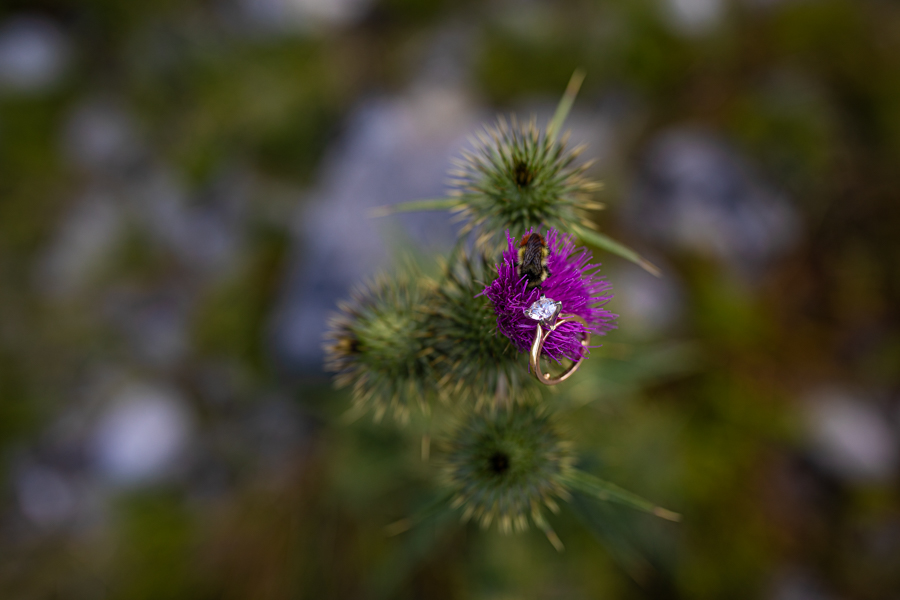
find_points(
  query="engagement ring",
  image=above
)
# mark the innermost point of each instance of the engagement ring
(546, 312)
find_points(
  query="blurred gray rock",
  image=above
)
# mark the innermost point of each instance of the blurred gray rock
(142, 435)
(694, 17)
(647, 306)
(101, 136)
(84, 244)
(45, 496)
(694, 192)
(849, 437)
(307, 16)
(393, 151)
(156, 324)
(205, 235)
(34, 53)
(798, 584)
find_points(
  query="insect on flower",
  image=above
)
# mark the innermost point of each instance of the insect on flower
(533, 260)
(572, 280)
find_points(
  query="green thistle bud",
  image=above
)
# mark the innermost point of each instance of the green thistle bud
(520, 178)
(505, 466)
(470, 355)
(378, 343)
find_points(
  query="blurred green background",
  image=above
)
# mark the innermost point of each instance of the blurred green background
(183, 197)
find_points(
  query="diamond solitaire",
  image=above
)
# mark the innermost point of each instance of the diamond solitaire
(544, 310)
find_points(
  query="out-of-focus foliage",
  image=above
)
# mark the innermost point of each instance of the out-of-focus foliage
(158, 161)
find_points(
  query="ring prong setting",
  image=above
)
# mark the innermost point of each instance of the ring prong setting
(544, 310)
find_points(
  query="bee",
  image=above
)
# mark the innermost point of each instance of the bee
(533, 259)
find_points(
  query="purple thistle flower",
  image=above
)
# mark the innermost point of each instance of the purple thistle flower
(573, 281)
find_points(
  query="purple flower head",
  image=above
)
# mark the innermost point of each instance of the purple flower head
(573, 281)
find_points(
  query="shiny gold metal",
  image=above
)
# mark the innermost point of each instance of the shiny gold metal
(540, 336)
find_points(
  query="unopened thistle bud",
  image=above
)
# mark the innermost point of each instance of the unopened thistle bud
(504, 466)
(519, 178)
(473, 360)
(378, 344)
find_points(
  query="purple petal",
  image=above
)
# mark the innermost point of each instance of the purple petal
(573, 281)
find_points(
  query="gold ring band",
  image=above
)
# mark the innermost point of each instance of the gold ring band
(540, 336)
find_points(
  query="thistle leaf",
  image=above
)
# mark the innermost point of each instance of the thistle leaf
(610, 530)
(414, 206)
(600, 240)
(437, 504)
(610, 492)
(565, 104)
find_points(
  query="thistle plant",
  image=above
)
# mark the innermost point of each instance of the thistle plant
(461, 337)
